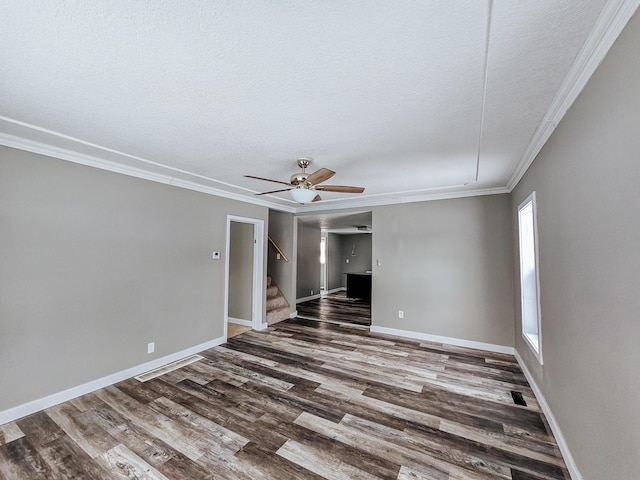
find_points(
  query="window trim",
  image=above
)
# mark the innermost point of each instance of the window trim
(536, 349)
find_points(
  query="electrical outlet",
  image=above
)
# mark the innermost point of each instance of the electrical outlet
(400, 313)
(151, 347)
(311, 292)
(347, 260)
(277, 256)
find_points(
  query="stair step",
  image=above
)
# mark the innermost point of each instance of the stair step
(276, 302)
(272, 291)
(277, 315)
(268, 280)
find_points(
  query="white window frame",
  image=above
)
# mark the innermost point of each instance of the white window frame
(533, 339)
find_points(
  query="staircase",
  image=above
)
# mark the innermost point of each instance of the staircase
(277, 306)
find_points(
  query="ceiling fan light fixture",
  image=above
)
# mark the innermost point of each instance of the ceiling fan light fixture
(302, 195)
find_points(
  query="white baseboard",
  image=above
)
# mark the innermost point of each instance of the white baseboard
(293, 314)
(555, 428)
(239, 321)
(306, 299)
(447, 340)
(263, 326)
(54, 399)
(333, 290)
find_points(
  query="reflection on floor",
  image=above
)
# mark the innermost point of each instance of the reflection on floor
(234, 330)
(337, 308)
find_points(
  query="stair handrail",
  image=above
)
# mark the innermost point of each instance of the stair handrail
(278, 249)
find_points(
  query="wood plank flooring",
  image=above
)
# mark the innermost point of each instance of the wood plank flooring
(337, 308)
(301, 400)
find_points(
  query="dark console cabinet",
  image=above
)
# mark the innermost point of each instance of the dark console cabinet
(359, 285)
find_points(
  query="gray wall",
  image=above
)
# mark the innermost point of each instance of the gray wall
(586, 179)
(94, 265)
(240, 270)
(449, 265)
(282, 272)
(361, 261)
(308, 256)
(335, 277)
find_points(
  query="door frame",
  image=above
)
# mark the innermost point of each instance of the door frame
(324, 281)
(258, 292)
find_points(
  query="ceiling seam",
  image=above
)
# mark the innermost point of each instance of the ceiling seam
(484, 86)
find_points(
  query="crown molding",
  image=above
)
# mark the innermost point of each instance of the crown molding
(169, 178)
(374, 202)
(614, 17)
(111, 166)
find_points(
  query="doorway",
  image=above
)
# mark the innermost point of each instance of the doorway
(323, 265)
(244, 287)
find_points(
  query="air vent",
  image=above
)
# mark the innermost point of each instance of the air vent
(169, 367)
(518, 399)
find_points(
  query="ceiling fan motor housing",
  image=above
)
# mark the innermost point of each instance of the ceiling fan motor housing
(298, 178)
(301, 177)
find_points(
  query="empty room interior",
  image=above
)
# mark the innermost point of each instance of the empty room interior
(272, 240)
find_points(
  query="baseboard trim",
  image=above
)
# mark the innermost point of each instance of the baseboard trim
(306, 299)
(263, 326)
(34, 406)
(240, 321)
(459, 342)
(555, 428)
(293, 314)
(333, 290)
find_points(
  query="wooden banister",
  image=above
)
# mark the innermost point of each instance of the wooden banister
(278, 249)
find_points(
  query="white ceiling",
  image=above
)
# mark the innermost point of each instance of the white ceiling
(409, 99)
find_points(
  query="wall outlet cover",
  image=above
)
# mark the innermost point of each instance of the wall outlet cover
(151, 347)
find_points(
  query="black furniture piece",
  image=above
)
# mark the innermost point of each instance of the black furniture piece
(359, 285)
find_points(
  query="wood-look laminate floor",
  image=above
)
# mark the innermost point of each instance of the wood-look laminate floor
(337, 308)
(301, 400)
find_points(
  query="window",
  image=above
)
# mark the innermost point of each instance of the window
(529, 282)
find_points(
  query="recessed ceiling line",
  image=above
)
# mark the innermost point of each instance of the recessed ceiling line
(119, 153)
(484, 86)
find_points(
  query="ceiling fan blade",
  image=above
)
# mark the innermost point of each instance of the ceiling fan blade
(274, 191)
(320, 176)
(340, 188)
(316, 198)
(267, 179)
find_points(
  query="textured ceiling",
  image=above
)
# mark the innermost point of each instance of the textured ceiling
(406, 98)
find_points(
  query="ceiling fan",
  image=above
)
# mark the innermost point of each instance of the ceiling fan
(304, 186)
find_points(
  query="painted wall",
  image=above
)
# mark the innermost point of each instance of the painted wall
(586, 179)
(240, 270)
(335, 277)
(357, 249)
(448, 265)
(94, 265)
(308, 255)
(282, 272)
